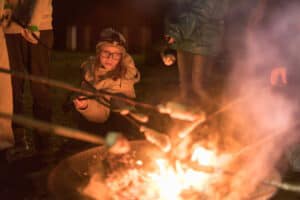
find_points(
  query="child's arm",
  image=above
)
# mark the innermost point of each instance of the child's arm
(90, 108)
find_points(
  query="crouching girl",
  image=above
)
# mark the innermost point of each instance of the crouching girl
(112, 70)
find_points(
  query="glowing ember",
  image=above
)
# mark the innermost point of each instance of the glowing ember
(172, 182)
(204, 156)
(201, 175)
(168, 181)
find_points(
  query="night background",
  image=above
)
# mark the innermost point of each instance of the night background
(90, 17)
(77, 25)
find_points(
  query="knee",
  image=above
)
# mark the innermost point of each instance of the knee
(95, 112)
(99, 117)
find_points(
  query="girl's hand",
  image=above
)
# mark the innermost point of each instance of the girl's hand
(81, 103)
(278, 73)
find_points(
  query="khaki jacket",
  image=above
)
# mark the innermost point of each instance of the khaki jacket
(95, 111)
(41, 16)
(6, 105)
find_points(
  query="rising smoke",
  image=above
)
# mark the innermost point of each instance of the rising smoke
(266, 117)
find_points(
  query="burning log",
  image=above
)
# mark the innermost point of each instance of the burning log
(179, 111)
(159, 139)
(202, 168)
(185, 132)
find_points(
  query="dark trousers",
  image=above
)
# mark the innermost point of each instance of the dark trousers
(35, 60)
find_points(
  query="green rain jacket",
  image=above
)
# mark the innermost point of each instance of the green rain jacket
(197, 25)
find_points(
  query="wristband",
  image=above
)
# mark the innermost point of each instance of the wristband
(33, 28)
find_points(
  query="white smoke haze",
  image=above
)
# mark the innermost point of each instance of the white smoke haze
(265, 112)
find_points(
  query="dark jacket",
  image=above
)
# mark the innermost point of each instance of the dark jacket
(197, 25)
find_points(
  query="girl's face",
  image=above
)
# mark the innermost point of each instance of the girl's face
(110, 56)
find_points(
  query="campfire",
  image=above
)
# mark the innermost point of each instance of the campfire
(164, 167)
(187, 165)
(203, 173)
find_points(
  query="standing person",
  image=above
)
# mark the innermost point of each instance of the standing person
(6, 134)
(30, 55)
(195, 29)
(273, 29)
(111, 70)
(277, 24)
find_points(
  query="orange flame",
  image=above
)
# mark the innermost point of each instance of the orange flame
(172, 181)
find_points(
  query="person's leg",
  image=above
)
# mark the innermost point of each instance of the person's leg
(185, 75)
(199, 66)
(17, 51)
(6, 105)
(39, 65)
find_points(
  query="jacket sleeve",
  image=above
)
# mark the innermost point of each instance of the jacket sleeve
(95, 112)
(126, 87)
(119, 86)
(181, 22)
(40, 7)
(1, 7)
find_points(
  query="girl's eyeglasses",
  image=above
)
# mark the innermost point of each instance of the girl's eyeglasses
(107, 54)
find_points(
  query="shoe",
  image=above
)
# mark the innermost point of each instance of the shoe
(24, 146)
(19, 153)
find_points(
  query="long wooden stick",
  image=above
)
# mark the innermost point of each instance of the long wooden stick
(69, 87)
(54, 129)
(283, 186)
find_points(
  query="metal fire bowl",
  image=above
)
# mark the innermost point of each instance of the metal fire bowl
(75, 172)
